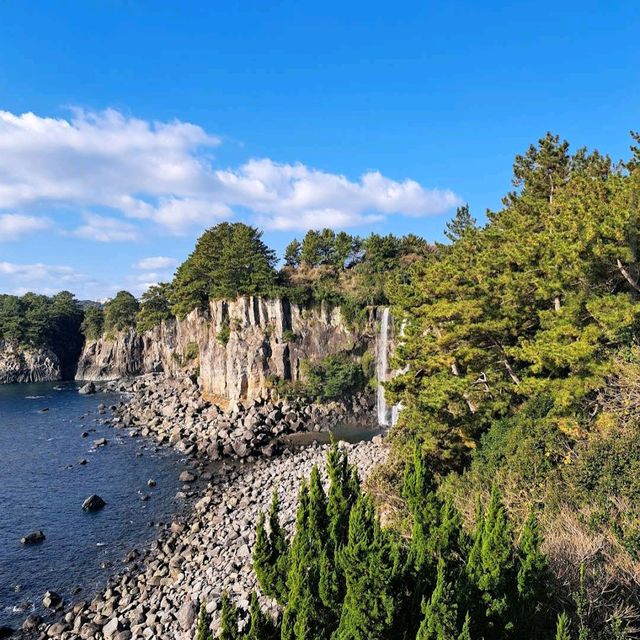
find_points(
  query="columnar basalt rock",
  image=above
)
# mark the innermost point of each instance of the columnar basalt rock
(21, 364)
(236, 347)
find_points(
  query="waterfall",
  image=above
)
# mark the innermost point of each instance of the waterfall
(385, 413)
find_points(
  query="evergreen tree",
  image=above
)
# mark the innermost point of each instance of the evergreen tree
(229, 620)
(532, 578)
(465, 634)
(461, 224)
(563, 627)
(120, 312)
(270, 554)
(370, 562)
(154, 306)
(292, 254)
(229, 260)
(440, 612)
(93, 322)
(489, 570)
(203, 630)
(261, 627)
(305, 617)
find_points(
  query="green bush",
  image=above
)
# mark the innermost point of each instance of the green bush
(225, 332)
(334, 378)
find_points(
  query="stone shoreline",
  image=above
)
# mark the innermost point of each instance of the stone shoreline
(201, 555)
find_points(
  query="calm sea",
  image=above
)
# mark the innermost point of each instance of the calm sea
(42, 486)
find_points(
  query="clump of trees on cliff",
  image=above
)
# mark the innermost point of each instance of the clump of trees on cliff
(39, 321)
(231, 260)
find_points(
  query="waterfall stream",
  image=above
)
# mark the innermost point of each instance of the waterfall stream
(387, 415)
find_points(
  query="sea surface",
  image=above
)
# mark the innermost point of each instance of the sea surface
(42, 487)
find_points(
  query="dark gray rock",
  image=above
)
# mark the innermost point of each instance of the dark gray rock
(33, 538)
(93, 503)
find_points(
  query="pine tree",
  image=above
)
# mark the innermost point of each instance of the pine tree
(440, 612)
(270, 554)
(563, 627)
(229, 620)
(370, 563)
(292, 254)
(203, 630)
(461, 224)
(261, 627)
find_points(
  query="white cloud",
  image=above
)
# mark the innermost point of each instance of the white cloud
(14, 226)
(161, 172)
(102, 229)
(42, 278)
(155, 262)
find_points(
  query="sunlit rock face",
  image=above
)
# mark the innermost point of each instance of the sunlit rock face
(235, 348)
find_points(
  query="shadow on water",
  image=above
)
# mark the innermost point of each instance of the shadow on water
(347, 432)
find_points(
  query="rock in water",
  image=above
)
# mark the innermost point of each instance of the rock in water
(93, 503)
(53, 601)
(87, 389)
(32, 538)
(185, 476)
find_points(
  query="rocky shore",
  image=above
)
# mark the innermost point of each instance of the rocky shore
(200, 556)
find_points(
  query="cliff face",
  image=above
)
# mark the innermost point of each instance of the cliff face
(265, 338)
(18, 364)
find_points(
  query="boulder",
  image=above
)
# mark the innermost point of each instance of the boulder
(53, 601)
(87, 389)
(186, 476)
(93, 503)
(32, 538)
(186, 616)
(100, 442)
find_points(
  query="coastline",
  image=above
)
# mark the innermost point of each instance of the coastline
(207, 550)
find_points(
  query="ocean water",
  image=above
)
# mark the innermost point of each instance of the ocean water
(38, 490)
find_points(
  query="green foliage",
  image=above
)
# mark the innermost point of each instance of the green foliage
(369, 561)
(229, 260)
(460, 225)
(154, 307)
(563, 627)
(191, 351)
(270, 555)
(333, 378)
(120, 312)
(203, 630)
(93, 323)
(224, 333)
(440, 612)
(229, 620)
(292, 254)
(39, 321)
(261, 627)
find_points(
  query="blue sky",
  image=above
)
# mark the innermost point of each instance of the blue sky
(153, 120)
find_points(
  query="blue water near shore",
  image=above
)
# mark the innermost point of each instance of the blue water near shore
(38, 491)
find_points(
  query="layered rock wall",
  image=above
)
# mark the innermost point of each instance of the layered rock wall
(21, 364)
(236, 347)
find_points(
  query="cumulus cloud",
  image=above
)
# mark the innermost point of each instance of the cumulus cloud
(155, 262)
(163, 172)
(14, 226)
(103, 229)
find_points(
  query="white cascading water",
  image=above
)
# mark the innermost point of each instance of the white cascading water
(385, 413)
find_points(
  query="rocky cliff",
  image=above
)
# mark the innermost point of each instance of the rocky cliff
(19, 364)
(236, 347)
